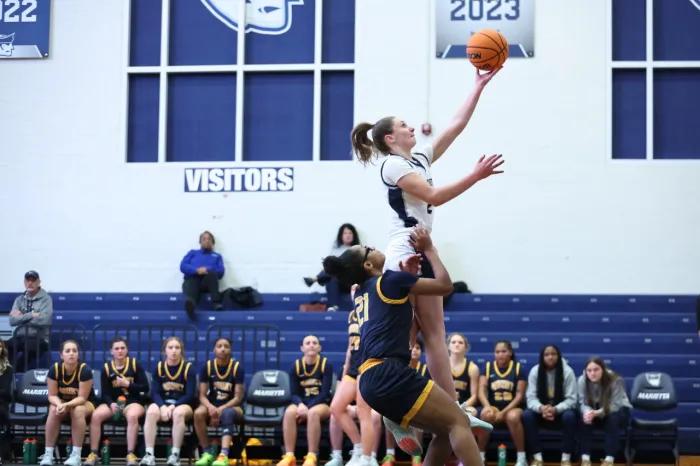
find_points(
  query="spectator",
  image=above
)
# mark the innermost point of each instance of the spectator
(501, 393)
(31, 313)
(347, 236)
(604, 405)
(551, 403)
(310, 378)
(202, 268)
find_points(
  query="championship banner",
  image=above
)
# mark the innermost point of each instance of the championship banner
(25, 28)
(457, 20)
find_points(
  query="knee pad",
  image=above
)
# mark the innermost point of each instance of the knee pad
(228, 418)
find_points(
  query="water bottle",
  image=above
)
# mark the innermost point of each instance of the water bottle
(169, 448)
(214, 447)
(106, 456)
(32, 451)
(69, 447)
(501, 455)
(121, 401)
(26, 452)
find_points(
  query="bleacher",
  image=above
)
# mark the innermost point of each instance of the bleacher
(633, 334)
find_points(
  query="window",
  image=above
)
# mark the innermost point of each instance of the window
(655, 79)
(201, 89)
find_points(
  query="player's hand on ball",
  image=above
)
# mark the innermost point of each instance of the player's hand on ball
(483, 79)
(420, 239)
(487, 166)
(411, 265)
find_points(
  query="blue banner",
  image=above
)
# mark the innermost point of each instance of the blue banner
(25, 28)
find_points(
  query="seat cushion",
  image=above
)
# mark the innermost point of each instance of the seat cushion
(665, 424)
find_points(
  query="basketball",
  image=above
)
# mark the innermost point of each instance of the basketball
(487, 49)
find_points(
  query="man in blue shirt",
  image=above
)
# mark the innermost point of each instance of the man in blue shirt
(202, 268)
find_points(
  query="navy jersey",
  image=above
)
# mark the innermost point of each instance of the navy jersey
(68, 385)
(354, 336)
(385, 315)
(311, 385)
(462, 381)
(502, 385)
(173, 381)
(422, 369)
(222, 380)
(133, 372)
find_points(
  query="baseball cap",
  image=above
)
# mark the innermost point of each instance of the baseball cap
(32, 274)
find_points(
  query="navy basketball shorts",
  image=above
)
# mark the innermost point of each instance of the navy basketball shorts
(352, 371)
(395, 390)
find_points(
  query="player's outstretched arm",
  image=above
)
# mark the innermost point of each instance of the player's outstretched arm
(441, 285)
(463, 115)
(416, 186)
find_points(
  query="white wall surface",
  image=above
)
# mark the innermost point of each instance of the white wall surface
(563, 219)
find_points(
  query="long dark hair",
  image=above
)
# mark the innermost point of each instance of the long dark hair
(542, 389)
(339, 236)
(348, 268)
(607, 384)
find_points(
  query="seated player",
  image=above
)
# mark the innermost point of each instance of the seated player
(387, 383)
(345, 394)
(311, 378)
(502, 393)
(121, 377)
(604, 405)
(70, 395)
(552, 397)
(464, 372)
(173, 393)
(422, 369)
(221, 390)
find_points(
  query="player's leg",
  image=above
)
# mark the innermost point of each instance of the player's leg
(181, 415)
(517, 433)
(101, 414)
(314, 418)
(51, 430)
(364, 414)
(431, 319)
(289, 434)
(150, 429)
(344, 395)
(229, 418)
(133, 412)
(79, 416)
(201, 428)
(438, 413)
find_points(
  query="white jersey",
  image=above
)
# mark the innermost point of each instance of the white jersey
(407, 211)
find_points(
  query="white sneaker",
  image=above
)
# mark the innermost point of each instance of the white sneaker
(521, 462)
(337, 461)
(73, 460)
(46, 460)
(373, 461)
(355, 457)
(148, 460)
(173, 460)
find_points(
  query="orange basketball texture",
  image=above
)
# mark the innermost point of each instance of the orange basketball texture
(487, 49)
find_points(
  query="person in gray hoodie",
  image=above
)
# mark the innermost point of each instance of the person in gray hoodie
(31, 315)
(604, 405)
(551, 403)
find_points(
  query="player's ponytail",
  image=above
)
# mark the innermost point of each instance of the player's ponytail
(364, 147)
(348, 268)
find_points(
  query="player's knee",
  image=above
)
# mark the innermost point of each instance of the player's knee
(514, 417)
(228, 419)
(487, 416)
(291, 411)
